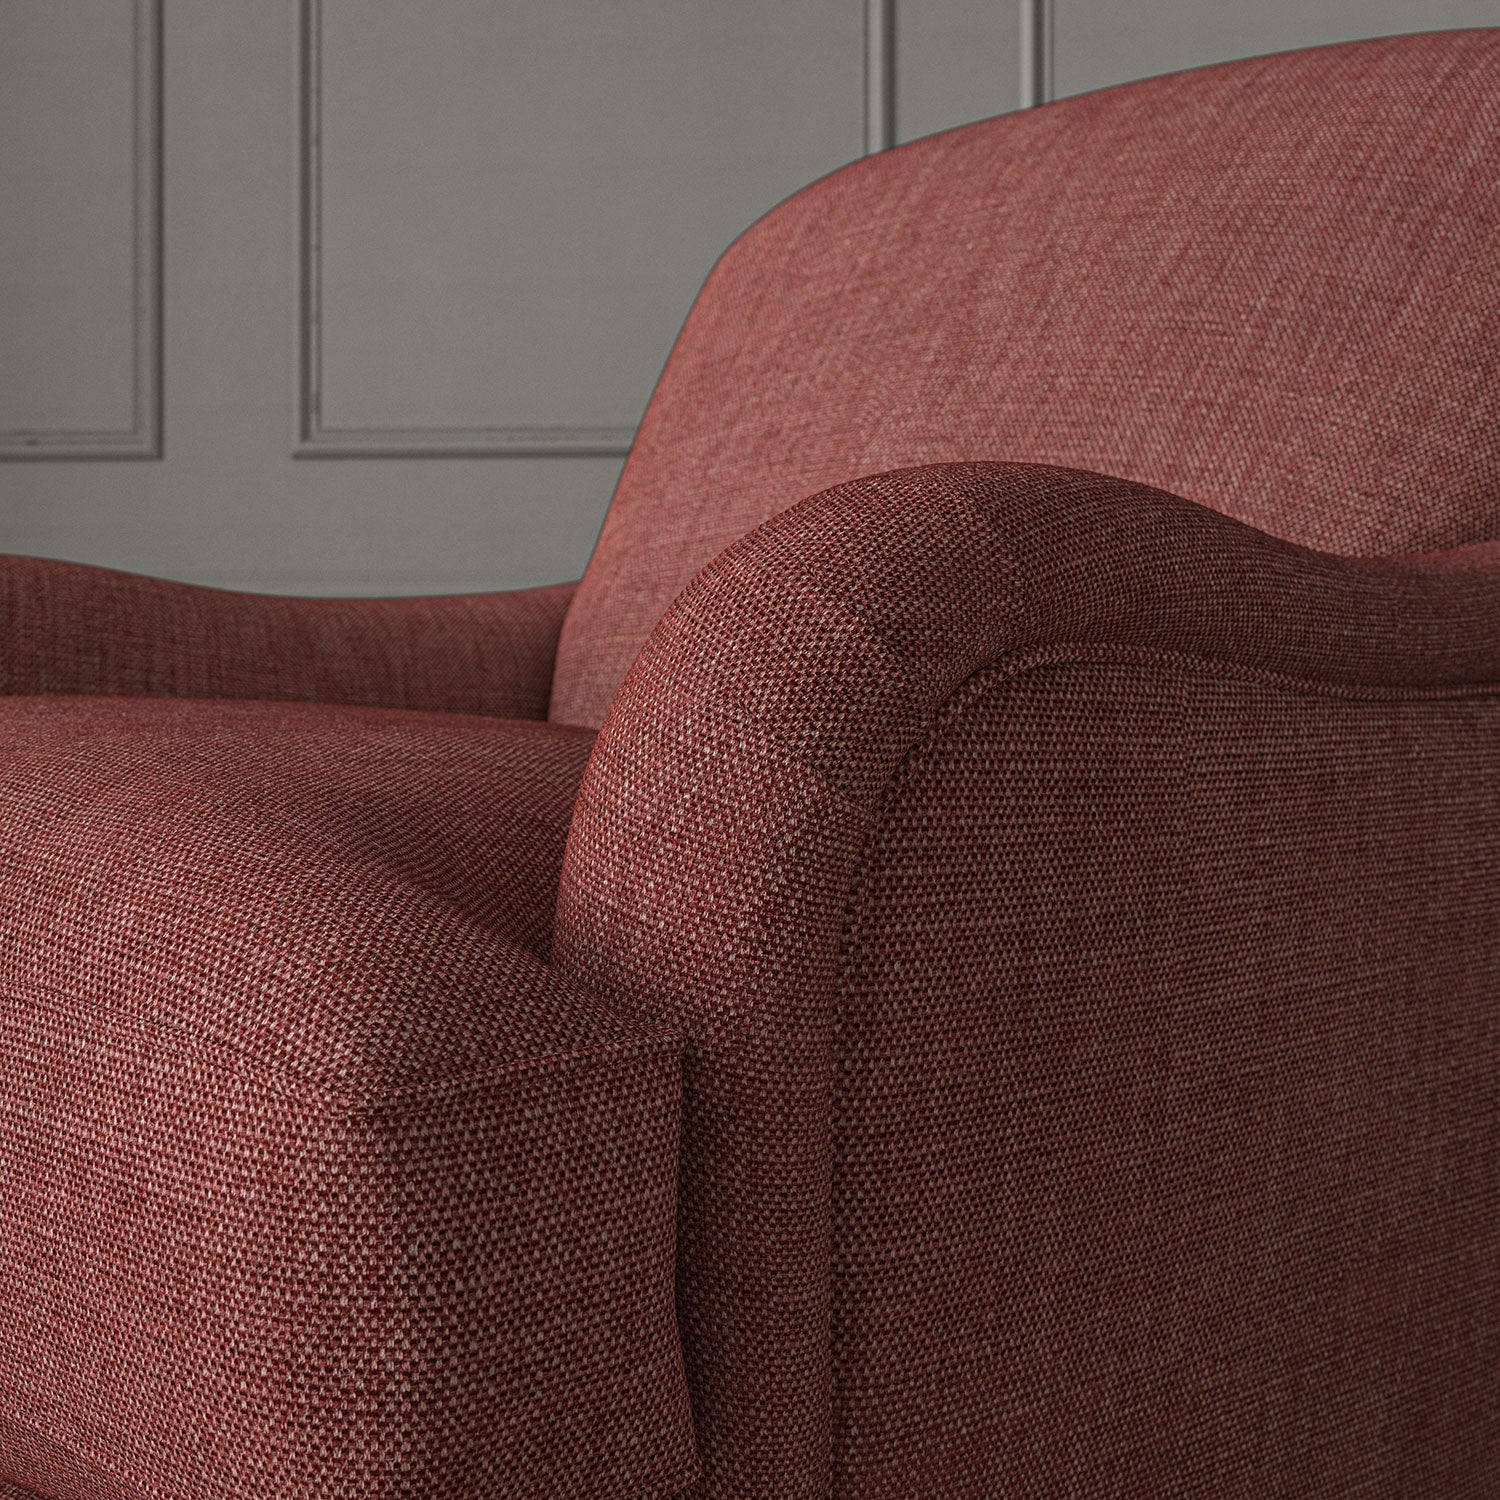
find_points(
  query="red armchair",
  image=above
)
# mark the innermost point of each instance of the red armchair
(1007, 1003)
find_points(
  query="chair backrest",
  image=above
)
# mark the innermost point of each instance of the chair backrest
(1271, 286)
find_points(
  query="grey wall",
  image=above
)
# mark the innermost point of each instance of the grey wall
(366, 296)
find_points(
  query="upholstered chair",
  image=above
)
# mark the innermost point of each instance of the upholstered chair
(961, 960)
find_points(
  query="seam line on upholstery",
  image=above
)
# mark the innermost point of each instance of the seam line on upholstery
(297, 1084)
(665, 1041)
(1001, 672)
(85, 1460)
(1009, 667)
(301, 1084)
(879, 639)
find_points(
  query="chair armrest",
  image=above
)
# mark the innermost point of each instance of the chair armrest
(740, 780)
(72, 628)
(315, 1176)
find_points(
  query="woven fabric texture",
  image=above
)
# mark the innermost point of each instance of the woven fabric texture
(318, 1179)
(1269, 286)
(19, 1492)
(712, 882)
(71, 628)
(1006, 1004)
(1166, 1142)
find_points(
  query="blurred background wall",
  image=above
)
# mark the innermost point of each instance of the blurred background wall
(367, 296)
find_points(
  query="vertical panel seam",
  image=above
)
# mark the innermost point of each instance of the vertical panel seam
(880, 75)
(1038, 30)
(142, 439)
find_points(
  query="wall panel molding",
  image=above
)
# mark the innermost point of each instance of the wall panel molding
(1038, 49)
(880, 75)
(143, 438)
(314, 438)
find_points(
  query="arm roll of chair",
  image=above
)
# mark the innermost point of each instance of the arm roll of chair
(68, 628)
(318, 1179)
(1081, 909)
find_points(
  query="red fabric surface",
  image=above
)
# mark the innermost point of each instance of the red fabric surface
(747, 775)
(1166, 1148)
(318, 1180)
(71, 628)
(1269, 286)
(1077, 903)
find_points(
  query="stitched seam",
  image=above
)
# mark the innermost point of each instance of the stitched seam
(666, 1041)
(297, 1084)
(1065, 653)
(1007, 669)
(1020, 664)
(726, 1028)
(85, 1460)
(308, 1086)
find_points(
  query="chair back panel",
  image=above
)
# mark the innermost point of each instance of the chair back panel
(1271, 286)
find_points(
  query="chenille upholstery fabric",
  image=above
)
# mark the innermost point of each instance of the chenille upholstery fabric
(1044, 869)
(318, 1180)
(70, 628)
(1270, 286)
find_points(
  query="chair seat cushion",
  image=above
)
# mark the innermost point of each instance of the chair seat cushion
(315, 1178)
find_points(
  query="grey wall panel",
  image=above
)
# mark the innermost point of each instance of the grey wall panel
(79, 182)
(956, 61)
(1100, 42)
(510, 207)
(227, 504)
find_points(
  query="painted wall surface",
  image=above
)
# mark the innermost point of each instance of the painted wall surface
(366, 297)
